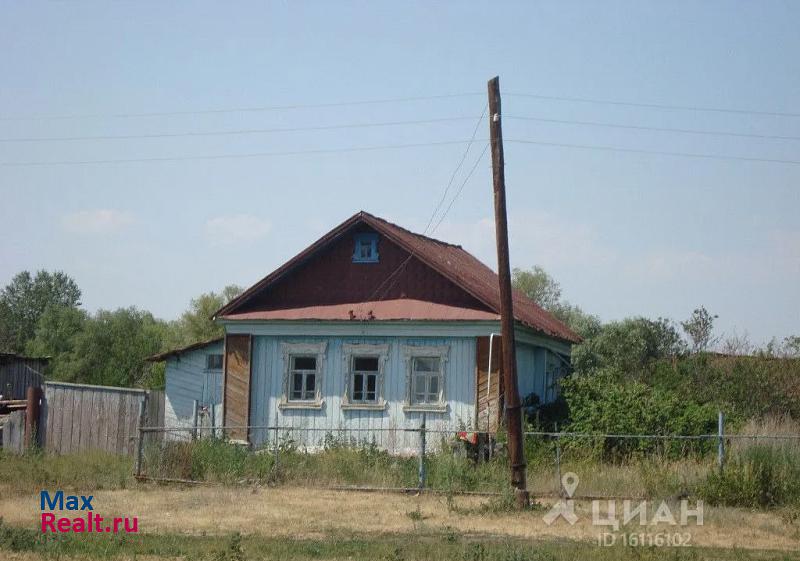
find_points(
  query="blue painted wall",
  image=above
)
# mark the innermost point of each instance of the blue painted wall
(187, 380)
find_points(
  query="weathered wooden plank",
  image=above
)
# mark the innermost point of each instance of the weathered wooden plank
(237, 384)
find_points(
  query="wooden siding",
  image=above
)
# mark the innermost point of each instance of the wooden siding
(488, 391)
(237, 396)
(17, 374)
(267, 387)
(76, 418)
(13, 433)
(187, 380)
(310, 285)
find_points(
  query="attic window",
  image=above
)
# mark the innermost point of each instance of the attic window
(366, 248)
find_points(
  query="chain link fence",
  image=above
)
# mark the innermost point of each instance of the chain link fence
(442, 459)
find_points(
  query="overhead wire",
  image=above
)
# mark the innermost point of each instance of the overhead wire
(649, 128)
(232, 132)
(256, 109)
(654, 105)
(653, 152)
(393, 276)
(232, 156)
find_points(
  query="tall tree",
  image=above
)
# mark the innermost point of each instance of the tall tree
(700, 329)
(537, 285)
(196, 324)
(111, 349)
(24, 300)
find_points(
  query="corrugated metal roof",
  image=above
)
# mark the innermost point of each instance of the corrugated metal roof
(451, 261)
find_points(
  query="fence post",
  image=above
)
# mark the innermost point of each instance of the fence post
(558, 462)
(721, 440)
(140, 441)
(194, 419)
(275, 463)
(421, 472)
(33, 397)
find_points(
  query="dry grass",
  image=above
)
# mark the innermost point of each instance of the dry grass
(314, 514)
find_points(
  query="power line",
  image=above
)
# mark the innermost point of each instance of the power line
(646, 128)
(455, 171)
(233, 156)
(236, 131)
(396, 271)
(656, 105)
(238, 109)
(654, 152)
(461, 188)
(394, 274)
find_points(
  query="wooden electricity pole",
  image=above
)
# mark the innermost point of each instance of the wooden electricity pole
(516, 453)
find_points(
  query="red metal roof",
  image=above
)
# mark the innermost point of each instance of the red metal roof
(450, 261)
(399, 309)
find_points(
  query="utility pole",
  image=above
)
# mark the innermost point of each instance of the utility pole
(516, 453)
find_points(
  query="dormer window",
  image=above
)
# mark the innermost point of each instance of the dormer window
(366, 248)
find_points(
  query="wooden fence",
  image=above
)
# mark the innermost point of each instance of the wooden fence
(18, 373)
(77, 417)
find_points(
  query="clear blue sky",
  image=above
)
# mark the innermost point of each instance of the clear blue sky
(624, 233)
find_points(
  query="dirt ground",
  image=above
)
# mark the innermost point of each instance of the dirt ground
(301, 513)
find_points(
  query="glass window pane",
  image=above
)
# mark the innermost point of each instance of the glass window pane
(426, 364)
(297, 386)
(358, 387)
(310, 380)
(305, 363)
(365, 363)
(419, 384)
(371, 383)
(433, 387)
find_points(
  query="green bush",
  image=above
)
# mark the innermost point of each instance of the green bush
(759, 476)
(605, 403)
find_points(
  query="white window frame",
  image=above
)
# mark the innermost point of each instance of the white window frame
(349, 352)
(409, 353)
(289, 350)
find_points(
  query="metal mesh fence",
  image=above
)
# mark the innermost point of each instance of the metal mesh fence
(439, 458)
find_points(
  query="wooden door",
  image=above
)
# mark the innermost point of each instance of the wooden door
(236, 393)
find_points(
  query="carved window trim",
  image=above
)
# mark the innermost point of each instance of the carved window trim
(349, 352)
(408, 353)
(288, 350)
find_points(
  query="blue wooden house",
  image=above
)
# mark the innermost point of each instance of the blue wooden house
(371, 327)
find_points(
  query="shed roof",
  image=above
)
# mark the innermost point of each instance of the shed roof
(449, 260)
(175, 352)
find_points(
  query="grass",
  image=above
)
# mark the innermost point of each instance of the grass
(448, 545)
(87, 472)
(762, 473)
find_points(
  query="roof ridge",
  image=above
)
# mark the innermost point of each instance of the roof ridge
(406, 230)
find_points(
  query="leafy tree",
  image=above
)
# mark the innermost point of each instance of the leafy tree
(537, 285)
(24, 300)
(56, 334)
(629, 346)
(700, 329)
(111, 348)
(196, 324)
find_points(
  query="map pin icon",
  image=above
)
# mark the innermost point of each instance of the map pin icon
(570, 482)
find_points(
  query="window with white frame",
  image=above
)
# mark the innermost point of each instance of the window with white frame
(425, 373)
(303, 378)
(302, 374)
(365, 379)
(364, 366)
(426, 380)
